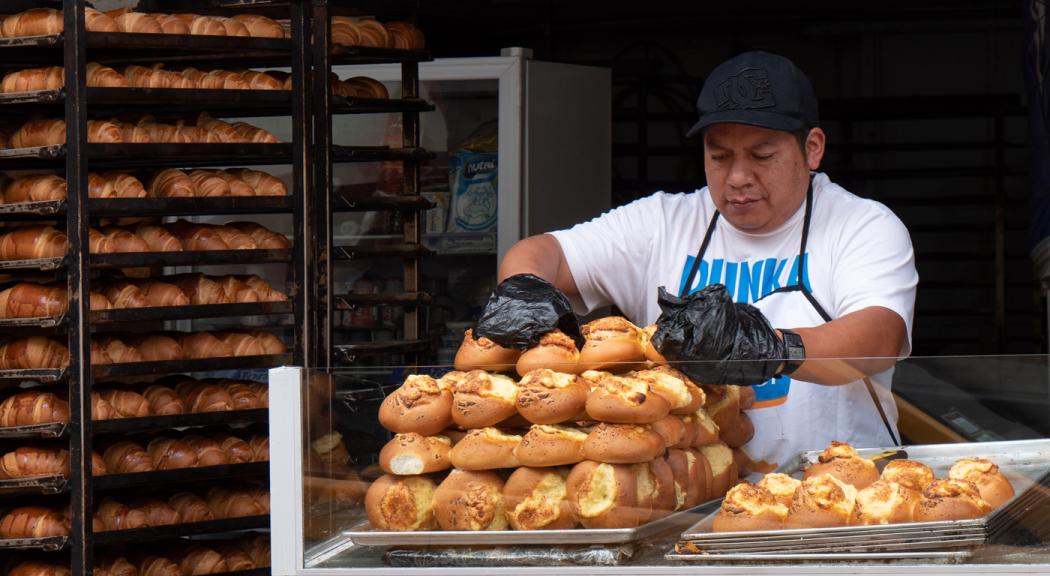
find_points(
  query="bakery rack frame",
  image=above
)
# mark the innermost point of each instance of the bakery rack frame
(331, 200)
(74, 101)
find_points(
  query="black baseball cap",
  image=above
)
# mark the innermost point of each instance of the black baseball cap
(760, 89)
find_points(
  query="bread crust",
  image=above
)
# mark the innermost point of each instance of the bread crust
(748, 507)
(914, 476)
(484, 354)
(419, 405)
(990, 482)
(401, 503)
(950, 499)
(883, 502)
(842, 461)
(669, 387)
(689, 483)
(625, 400)
(612, 343)
(622, 444)
(549, 397)
(555, 350)
(546, 445)
(603, 495)
(722, 404)
(411, 453)
(537, 499)
(781, 486)
(481, 399)
(485, 449)
(468, 500)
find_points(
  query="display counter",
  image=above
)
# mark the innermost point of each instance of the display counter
(331, 452)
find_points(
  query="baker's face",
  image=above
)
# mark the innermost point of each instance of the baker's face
(758, 177)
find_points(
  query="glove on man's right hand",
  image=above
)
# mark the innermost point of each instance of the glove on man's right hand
(523, 308)
(728, 343)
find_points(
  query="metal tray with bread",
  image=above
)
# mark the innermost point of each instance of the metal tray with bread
(1025, 463)
(364, 535)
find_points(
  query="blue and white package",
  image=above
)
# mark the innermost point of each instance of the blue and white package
(473, 182)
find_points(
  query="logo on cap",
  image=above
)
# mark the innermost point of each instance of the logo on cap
(747, 90)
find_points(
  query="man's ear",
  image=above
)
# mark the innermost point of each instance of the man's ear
(815, 148)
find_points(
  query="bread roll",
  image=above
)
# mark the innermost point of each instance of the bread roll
(419, 405)
(914, 476)
(821, 501)
(549, 397)
(842, 461)
(950, 499)
(546, 445)
(883, 502)
(993, 486)
(741, 433)
(484, 354)
(485, 449)
(603, 495)
(555, 351)
(613, 344)
(781, 486)
(411, 454)
(622, 444)
(691, 479)
(481, 399)
(723, 467)
(669, 387)
(625, 400)
(672, 429)
(748, 507)
(707, 431)
(537, 499)
(470, 501)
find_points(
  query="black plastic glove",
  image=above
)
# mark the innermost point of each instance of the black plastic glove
(708, 327)
(523, 308)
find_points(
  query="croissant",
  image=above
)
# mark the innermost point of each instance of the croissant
(222, 80)
(112, 565)
(95, 21)
(28, 461)
(242, 344)
(155, 347)
(33, 79)
(200, 289)
(32, 22)
(237, 291)
(209, 452)
(34, 568)
(226, 503)
(194, 237)
(35, 188)
(127, 457)
(344, 31)
(365, 87)
(164, 294)
(198, 560)
(123, 294)
(33, 407)
(260, 448)
(42, 132)
(249, 133)
(100, 76)
(99, 187)
(256, 80)
(113, 240)
(98, 465)
(204, 397)
(171, 183)
(237, 451)
(405, 36)
(32, 242)
(158, 239)
(260, 495)
(207, 183)
(285, 78)
(270, 343)
(203, 345)
(33, 522)
(163, 401)
(223, 131)
(194, 77)
(264, 184)
(261, 391)
(100, 131)
(150, 565)
(243, 396)
(119, 351)
(138, 22)
(157, 511)
(114, 515)
(260, 26)
(262, 237)
(234, 27)
(125, 185)
(27, 300)
(236, 558)
(171, 24)
(100, 409)
(257, 546)
(126, 403)
(169, 454)
(191, 508)
(372, 33)
(235, 239)
(263, 289)
(33, 352)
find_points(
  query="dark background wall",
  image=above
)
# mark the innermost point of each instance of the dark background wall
(923, 103)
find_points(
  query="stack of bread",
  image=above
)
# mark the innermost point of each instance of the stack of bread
(205, 130)
(48, 21)
(186, 451)
(604, 437)
(843, 488)
(170, 183)
(375, 34)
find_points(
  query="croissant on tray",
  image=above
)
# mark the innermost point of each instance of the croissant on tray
(127, 457)
(33, 522)
(197, 559)
(28, 461)
(209, 452)
(163, 401)
(32, 242)
(126, 403)
(155, 347)
(35, 568)
(204, 396)
(191, 507)
(236, 503)
(157, 511)
(170, 453)
(33, 352)
(33, 407)
(114, 515)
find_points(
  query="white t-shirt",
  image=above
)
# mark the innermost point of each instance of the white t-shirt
(859, 255)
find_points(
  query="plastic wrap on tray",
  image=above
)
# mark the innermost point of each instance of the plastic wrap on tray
(597, 555)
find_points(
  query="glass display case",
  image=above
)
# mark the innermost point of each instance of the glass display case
(336, 511)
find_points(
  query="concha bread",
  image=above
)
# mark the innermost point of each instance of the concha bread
(401, 503)
(468, 500)
(537, 499)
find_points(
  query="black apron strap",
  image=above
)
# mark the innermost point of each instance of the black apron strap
(699, 255)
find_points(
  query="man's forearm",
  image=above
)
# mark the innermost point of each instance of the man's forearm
(848, 348)
(542, 256)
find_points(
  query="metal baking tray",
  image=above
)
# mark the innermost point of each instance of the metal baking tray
(1026, 463)
(17, 376)
(171, 531)
(851, 557)
(51, 543)
(43, 264)
(196, 365)
(53, 484)
(188, 206)
(361, 534)
(49, 430)
(209, 257)
(131, 155)
(190, 420)
(190, 475)
(32, 210)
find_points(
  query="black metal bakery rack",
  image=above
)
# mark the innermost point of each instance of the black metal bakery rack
(410, 341)
(76, 102)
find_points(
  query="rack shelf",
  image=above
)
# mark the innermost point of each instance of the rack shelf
(196, 365)
(352, 301)
(141, 259)
(368, 251)
(348, 353)
(181, 475)
(51, 430)
(32, 375)
(368, 55)
(189, 206)
(42, 264)
(343, 202)
(159, 102)
(192, 420)
(345, 105)
(344, 154)
(192, 312)
(51, 544)
(36, 485)
(151, 155)
(185, 529)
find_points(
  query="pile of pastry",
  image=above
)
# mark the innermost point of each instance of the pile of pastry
(170, 183)
(196, 558)
(48, 21)
(375, 34)
(140, 512)
(843, 488)
(598, 437)
(165, 397)
(146, 130)
(38, 352)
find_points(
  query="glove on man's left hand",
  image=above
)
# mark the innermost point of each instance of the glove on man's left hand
(728, 343)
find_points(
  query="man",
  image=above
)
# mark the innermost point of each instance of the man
(832, 272)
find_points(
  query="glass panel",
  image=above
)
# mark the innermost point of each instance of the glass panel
(997, 403)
